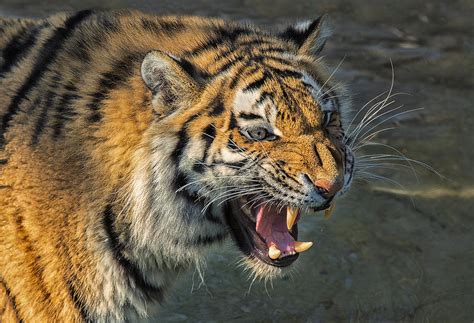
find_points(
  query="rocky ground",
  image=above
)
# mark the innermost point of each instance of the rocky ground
(391, 252)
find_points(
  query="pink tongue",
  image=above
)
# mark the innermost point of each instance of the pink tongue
(271, 225)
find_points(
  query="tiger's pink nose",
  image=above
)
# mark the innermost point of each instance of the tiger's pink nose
(328, 188)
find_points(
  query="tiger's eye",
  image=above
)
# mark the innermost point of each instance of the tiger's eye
(258, 133)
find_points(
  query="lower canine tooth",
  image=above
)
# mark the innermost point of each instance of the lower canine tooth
(273, 252)
(328, 211)
(302, 246)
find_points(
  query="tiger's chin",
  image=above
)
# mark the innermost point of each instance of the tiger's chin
(267, 235)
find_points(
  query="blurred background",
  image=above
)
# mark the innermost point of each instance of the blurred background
(396, 249)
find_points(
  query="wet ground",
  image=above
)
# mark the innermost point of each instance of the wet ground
(391, 252)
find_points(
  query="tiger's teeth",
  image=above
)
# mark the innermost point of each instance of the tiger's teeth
(291, 215)
(302, 246)
(273, 252)
(328, 212)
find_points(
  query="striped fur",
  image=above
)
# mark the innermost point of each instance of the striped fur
(118, 132)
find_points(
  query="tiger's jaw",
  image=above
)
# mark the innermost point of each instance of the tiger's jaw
(266, 233)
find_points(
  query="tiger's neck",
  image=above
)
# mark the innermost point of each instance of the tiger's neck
(160, 234)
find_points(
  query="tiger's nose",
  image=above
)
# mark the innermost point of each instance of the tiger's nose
(328, 188)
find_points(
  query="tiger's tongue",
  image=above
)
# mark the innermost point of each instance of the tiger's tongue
(272, 226)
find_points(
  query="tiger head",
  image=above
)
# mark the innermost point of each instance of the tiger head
(260, 133)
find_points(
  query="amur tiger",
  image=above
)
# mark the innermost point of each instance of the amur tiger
(130, 143)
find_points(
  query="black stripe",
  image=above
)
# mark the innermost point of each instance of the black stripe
(287, 73)
(208, 135)
(248, 51)
(120, 72)
(18, 48)
(226, 66)
(172, 26)
(238, 74)
(211, 218)
(288, 175)
(179, 182)
(183, 139)
(281, 60)
(263, 59)
(264, 96)
(107, 83)
(76, 299)
(309, 85)
(56, 80)
(235, 164)
(178, 150)
(150, 26)
(36, 269)
(151, 292)
(108, 22)
(168, 27)
(257, 83)
(71, 280)
(41, 120)
(64, 112)
(232, 122)
(81, 47)
(46, 56)
(257, 42)
(249, 116)
(217, 109)
(231, 144)
(199, 167)
(180, 179)
(12, 299)
(243, 56)
(224, 34)
(240, 236)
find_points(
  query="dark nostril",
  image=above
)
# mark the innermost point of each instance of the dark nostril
(322, 190)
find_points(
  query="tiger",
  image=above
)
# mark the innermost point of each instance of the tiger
(132, 143)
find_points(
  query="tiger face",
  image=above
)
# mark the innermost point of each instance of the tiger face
(264, 137)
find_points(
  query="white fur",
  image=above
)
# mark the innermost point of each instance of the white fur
(244, 102)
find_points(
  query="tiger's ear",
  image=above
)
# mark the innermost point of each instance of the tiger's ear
(174, 82)
(310, 36)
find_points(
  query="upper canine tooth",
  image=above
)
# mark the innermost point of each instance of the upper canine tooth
(302, 246)
(328, 211)
(291, 215)
(273, 252)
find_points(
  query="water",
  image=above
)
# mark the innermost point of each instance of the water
(389, 253)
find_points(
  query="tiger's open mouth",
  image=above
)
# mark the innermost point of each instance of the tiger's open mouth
(267, 232)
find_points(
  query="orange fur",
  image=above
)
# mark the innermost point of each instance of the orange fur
(79, 128)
